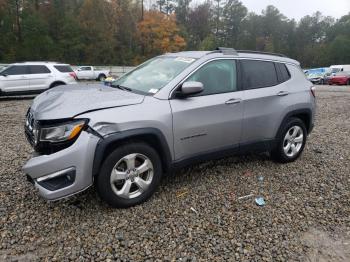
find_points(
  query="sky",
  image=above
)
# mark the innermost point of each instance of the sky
(298, 8)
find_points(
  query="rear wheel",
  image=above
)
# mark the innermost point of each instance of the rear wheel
(101, 77)
(348, 82)
(290, 141)
(129, 175)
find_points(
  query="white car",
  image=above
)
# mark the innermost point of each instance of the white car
(30, 77)
(91, 73)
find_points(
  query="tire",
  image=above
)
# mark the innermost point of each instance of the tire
(116, 193)
(348, 82)
(101, 77)
(288, 149)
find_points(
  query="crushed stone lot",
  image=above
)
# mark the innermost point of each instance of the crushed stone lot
(196, 215)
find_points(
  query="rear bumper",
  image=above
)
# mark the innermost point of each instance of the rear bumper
(66, 172)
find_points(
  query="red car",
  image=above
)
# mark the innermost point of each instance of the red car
(340, 78)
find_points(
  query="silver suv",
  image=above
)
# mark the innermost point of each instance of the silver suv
(171, 111)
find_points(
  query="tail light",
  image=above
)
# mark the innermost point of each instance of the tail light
(72, 74)
(312, 89)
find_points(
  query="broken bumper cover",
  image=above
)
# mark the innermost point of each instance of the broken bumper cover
(65, 172)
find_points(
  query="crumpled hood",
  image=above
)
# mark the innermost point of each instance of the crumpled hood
(70, 100)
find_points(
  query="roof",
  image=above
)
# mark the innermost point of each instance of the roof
(38, 63)
(230, 52)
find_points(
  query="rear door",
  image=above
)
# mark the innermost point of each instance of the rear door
(211, 120)
(265, 99)
(40, 77)
(15, 79)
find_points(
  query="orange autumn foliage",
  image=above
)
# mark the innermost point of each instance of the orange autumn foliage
(158, 33)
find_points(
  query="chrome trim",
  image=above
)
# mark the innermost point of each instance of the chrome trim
(56, 174)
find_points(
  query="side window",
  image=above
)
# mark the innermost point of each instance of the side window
(217, 77)
(258, 74)
(63, 68)
(38, 69)
(16, 70)
(85, 68)
(283, 72)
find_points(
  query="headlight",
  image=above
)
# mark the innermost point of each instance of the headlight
(63, 132)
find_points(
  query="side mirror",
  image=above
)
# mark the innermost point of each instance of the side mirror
(190, 88)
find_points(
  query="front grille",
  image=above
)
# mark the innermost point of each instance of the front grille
(30, 128)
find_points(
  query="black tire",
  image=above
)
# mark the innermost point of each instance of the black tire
(101, 77)
(278, 154)
(348, 82)
(103, 184)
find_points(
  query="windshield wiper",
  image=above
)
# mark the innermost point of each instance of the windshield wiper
(122, 87)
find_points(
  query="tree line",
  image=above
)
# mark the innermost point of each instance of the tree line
(120, 32)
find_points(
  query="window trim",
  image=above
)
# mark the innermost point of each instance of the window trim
(238, 77)
(259, 87)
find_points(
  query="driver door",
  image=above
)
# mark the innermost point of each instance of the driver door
(211, 120)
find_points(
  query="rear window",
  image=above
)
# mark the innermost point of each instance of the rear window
(15, 70)
(38, 69)
(258, 74)
(64, 68)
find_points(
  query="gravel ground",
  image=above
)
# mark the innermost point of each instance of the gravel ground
(196, 215)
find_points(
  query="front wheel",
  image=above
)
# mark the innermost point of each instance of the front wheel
(290, 141)
(129, 175)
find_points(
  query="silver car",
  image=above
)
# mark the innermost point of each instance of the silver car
(171, 111)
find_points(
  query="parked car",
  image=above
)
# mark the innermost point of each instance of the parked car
(171, 111)
(319, 75)
(340, 68)
(91, 73)
(30, 77)
(340, 78)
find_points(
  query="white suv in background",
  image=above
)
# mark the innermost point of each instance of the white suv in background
(30, 77)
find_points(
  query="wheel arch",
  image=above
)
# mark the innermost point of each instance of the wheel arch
(150, 136)
(56, 83)
(304, 114)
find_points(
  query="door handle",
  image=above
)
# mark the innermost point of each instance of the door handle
(233, 101)
(283, 93)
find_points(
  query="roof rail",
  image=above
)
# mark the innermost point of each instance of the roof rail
(260, 52)
(225, 51)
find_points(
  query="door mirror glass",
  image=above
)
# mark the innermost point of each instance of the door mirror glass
(191, 88)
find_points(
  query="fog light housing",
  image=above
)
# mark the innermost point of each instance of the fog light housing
(57, 180)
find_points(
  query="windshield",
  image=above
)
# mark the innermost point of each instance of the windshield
(154, 74)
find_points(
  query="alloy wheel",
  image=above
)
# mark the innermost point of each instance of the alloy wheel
(293, 141)
(131, 176)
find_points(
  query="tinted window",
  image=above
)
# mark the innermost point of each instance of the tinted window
(38, 69)
(258, 74)
(16, 70)
(85, 68)
(63, 68)
(284, 74)
(217, 77)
